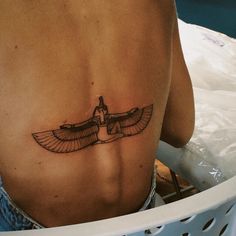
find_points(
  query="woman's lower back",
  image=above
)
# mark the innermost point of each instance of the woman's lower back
(62, 161)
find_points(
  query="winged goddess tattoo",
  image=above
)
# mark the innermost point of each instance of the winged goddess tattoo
(102, 127)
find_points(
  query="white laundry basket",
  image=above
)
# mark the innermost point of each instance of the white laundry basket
(209, 213)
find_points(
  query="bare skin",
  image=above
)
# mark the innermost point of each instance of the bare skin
(56, 59)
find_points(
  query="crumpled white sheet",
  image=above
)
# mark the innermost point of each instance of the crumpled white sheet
(211, 60)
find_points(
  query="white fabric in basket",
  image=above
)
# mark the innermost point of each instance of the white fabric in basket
(211, 60)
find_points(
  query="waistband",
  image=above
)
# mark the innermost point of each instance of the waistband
(17, 219)
(149, 203)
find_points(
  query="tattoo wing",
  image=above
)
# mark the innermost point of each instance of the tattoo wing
(69, 138)
(130, 123)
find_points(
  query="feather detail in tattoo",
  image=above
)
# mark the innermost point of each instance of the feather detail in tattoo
(103, 127)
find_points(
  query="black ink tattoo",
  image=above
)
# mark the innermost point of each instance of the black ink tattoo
(103, 127)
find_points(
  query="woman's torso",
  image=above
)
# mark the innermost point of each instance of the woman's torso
(56, 59)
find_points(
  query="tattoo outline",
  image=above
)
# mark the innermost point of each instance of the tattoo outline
(103, 127)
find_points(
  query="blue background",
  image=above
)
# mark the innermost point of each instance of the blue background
(219, 15)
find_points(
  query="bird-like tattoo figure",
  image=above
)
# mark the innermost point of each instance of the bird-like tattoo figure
(103, 127)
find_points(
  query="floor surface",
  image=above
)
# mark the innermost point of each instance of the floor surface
(165, 185)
